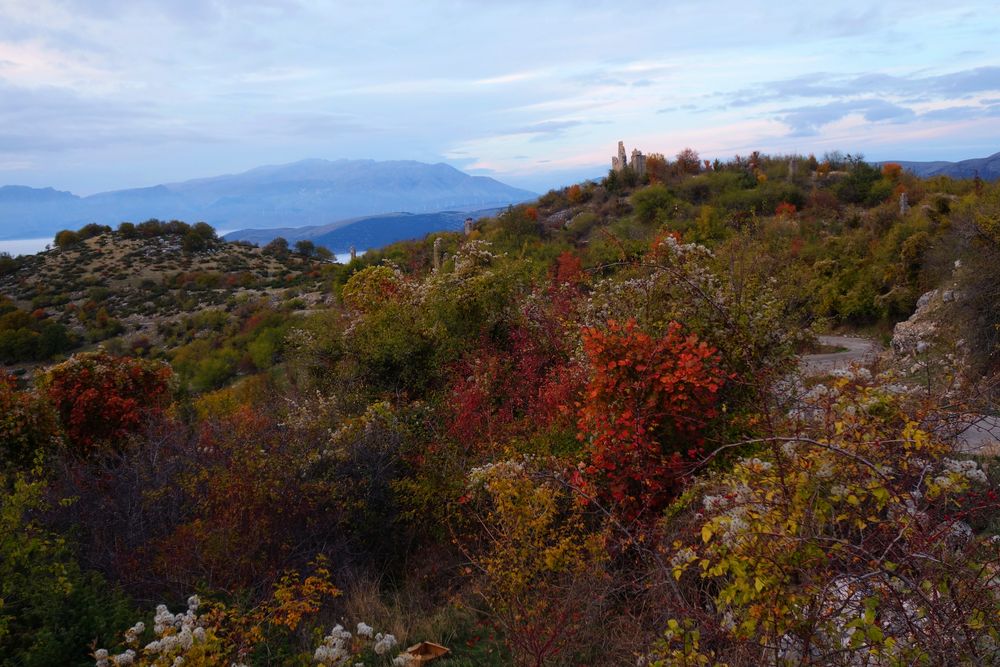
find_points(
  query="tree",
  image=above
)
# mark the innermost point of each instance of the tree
(66, 238)
(688, 162)
(8, 264)
(193, 242)
(892, 171)
(278, 247)
(92, 229)
(305, 248)
(205, 231)
(150, 228)
(542, 570)
(657, 168)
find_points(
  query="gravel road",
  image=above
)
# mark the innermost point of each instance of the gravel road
(857, 349)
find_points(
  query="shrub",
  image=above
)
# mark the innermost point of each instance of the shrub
(51, 610)
(646, 403)
(101, 399)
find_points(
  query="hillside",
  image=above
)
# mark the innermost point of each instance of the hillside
(127, 292)
(579, 435)
(309, 192)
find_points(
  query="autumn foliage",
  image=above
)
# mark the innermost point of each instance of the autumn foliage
(643, 412)
(785, 210)
(27, 426)
(892, 170)
(101, 399)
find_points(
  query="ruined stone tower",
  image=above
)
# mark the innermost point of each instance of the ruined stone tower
(638, 162)
(619, 163)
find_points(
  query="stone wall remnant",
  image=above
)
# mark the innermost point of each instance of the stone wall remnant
(638, 162)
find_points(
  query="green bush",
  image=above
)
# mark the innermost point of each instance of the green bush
(51, 610)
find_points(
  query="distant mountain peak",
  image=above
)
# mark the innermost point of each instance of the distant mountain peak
(313, 191)
(987, 168)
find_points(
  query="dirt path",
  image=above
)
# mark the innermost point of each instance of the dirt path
(976, 434)
(856, 349)
(980, 436)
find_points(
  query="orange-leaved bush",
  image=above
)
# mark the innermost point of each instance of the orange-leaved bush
(785, 210)
(101, 399)
(643, 413)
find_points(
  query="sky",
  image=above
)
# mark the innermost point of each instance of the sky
(99, 95)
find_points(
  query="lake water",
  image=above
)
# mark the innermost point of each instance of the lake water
(17, 247)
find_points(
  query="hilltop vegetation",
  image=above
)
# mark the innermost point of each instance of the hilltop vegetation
(575, 436)
(161, 290)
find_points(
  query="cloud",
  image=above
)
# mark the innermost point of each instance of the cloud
(825, 84)
(680, 108)
(542, 131)
(512, 77)
(306, 124)
(808, 120)
(53, 119)
(949, 114)
(877, 97)
(547, 127)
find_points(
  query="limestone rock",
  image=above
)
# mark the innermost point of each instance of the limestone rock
(911, 336)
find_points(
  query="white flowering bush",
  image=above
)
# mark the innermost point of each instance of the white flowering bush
(177, 639)
(365, 647)
(189, 640)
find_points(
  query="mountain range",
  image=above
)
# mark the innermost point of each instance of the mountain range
(988, 168)
(367, 232)
(306, 193)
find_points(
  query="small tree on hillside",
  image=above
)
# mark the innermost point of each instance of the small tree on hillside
(688, 162)
(277, 247)
(305, 248)
(66, 238)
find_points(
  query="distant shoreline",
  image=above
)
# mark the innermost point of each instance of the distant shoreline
(17, 247)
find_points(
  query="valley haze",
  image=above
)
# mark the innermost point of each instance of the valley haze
(309, 192)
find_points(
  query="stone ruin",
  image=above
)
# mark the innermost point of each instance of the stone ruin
(638, 162)
(468, 226)
(620, 162)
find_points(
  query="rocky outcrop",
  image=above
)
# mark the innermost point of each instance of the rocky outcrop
(913, 335)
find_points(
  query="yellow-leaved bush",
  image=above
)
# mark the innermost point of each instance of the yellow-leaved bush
(541, 569)
(851, 540)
